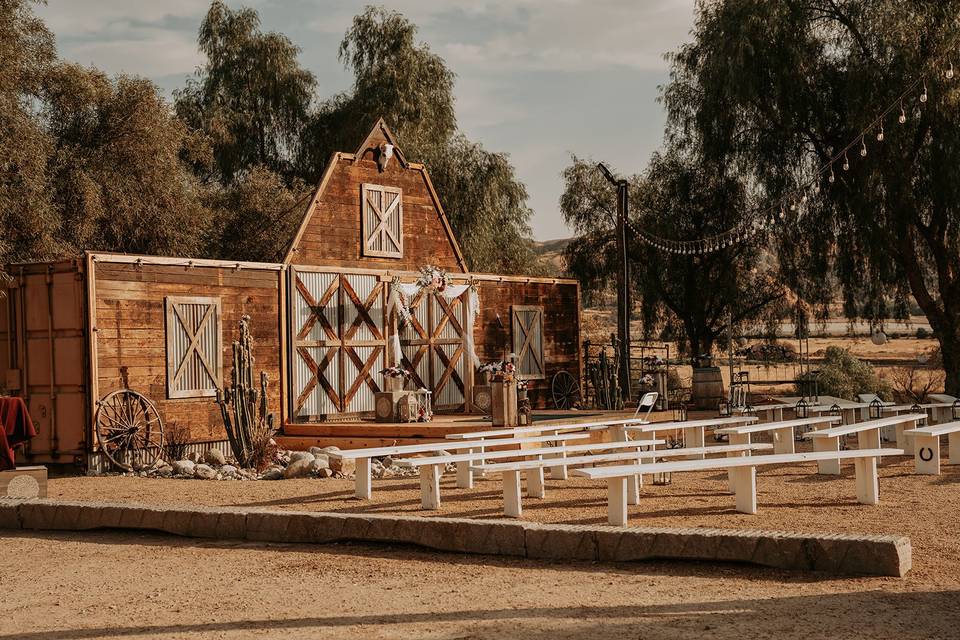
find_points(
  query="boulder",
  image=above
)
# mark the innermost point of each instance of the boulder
(193, 457)
(215, 458)
(298, 468)
(319, 463)
(183, 467)
(301, 455)
(228, 471)
(342, 466)
(273, 473)
(204, 472)
(326, 472)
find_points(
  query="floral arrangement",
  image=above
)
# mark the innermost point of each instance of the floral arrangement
(498, 366)
(432, 277)
(396, 371)
(647, 380)
(523, 385)
(654, 361)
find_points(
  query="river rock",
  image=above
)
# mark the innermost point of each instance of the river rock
(183, 467)
(228, 471)
(319, 463)
(273, 473)
(215, 458)
(193, 457)
(301, 455)
(204, 472)
(298, 468)
(325, 472)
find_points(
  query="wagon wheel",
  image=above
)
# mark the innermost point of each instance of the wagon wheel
(565, 389)
(129, 430)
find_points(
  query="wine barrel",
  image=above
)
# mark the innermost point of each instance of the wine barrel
(707, 392)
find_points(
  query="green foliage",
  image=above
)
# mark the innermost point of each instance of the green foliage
(678, 197)
(786, 85)
(251, 97)
(843, 375)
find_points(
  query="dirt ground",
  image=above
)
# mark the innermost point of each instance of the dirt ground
(128, 585)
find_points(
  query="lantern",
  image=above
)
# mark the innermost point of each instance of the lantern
(680, 412)
(876, 409)
(802, 408)
(918, 409)
(661, 478)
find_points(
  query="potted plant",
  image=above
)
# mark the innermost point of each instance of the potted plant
(394, 378)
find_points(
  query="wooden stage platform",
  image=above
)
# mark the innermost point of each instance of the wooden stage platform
(355, 435)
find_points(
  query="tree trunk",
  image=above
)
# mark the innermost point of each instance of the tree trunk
(950, 350)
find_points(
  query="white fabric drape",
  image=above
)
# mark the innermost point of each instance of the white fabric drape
(401, 294)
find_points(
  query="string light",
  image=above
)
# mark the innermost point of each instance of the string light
(923, 96)
(863, 148)
(880, 133)
(903, 114)
(949, 73)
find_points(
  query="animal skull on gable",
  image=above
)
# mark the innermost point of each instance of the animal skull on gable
(384, 155)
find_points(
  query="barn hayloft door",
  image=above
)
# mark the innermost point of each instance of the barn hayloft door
(434, 348)
(337, 343)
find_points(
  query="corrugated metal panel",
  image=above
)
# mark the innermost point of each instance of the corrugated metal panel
(317, 402)
(528, 323)
(362, 400)
(423, 367)
(393, 222)
(419, 312)
(450, 394)
(316, 284)
(187, 374)
(449, 330)
(363, 286)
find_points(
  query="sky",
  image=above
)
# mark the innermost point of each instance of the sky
(537, 79)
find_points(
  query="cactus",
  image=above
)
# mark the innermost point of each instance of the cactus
(244, 406)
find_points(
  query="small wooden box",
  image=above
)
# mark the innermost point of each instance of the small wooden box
(24, 482)
(385, 405)
(504, 392)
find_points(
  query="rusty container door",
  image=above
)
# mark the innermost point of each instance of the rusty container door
(44, 354)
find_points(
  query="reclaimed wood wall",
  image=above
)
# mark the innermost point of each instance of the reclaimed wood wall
(332, 236)
(561, 327)
(129, 320)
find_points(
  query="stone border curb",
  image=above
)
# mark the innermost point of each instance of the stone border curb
(882, 555)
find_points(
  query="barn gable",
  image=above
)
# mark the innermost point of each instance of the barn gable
(374, 209)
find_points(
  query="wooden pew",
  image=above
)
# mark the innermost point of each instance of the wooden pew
(783, 432)
(868, 437)
(745, 467)
(510, 471)
(926, 446)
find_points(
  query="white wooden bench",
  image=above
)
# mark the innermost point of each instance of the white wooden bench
(926, 446)
(782, 431)
(771, 412)
(868, 437)
(745, 468)
(363, 457)
(558, 472)
(431, 467)
(510, 471)
(693, 430)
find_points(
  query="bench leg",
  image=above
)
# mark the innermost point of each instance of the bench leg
(927, 454)
(479, 473)
(736, 438)
(953, 450)
(364, 482)
(617, 502)
(783, 440)
(512, 506)
(745, 482)
(827, 467)
(693, 439)
(464, 475)
(558, 472)
(633, 490)
(535, 485)
(902, 439)
(430, 487)
(868, 439)
(868, 486)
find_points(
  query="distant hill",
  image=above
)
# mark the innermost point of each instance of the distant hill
(551, 252)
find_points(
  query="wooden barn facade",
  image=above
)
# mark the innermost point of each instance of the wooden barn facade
(325, 321)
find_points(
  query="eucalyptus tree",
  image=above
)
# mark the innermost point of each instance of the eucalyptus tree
(680, 197)
(251, 97)
(785, 86)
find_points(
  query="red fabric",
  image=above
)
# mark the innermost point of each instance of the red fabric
(17, 429)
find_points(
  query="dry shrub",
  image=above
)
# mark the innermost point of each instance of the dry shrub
(176, 437)
(914, 382)
(263, 449)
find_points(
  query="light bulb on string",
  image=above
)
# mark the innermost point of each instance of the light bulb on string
(923, 96)
(832, 177)
(949, 72)
(880, 133)
(863, 148)
(846, 162)
(903, 114)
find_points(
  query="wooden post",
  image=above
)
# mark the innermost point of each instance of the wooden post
(869, 439)
(364, 482)
(868, 487)
(693, 438)
(617, 501)
(736, 438)
(559, 472)
(464, 475)
(535, 484)
(512, 505)
(430, 486)
(827, 467)
(745, 488)
(953, 442)
(783, 440)
(927, 454)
